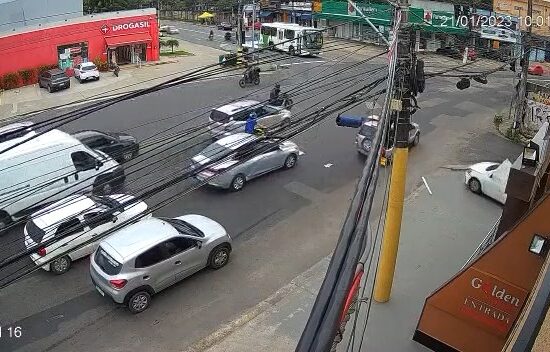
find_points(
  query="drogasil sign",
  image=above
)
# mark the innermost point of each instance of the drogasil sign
(125, 26)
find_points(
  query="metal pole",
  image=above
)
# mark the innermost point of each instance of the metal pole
(253, 23)
(401, 106)
(239, 26)
(526, 43)
(158, 14)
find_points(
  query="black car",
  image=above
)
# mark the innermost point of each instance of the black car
(224, 26)
(53, 80)
(121, 147)
(450, 52)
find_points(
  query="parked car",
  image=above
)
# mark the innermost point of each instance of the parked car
(163, 28)
(79, 219)
(450, 52)
(120, 146)
(48, 168)
(225, 26)
(231, 118)
(142, 259)
(238, 152)
(53, 80)
(16, 130)
(172, 30)
(86, 71)
(489, 178)
(367, 131)
(536, 70)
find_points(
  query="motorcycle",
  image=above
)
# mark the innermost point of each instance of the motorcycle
(251, 76)
(283, 100)
(227, 36)
(211, 37)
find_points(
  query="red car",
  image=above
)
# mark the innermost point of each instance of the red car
(537, 70)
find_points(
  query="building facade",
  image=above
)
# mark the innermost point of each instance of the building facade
(116, 37)
(16, 14)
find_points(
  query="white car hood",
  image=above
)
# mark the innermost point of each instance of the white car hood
(208, 226)
(289, 146)
(482, 167)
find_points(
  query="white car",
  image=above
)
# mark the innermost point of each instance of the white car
(231, 118)
(80, 215)
(172, 30)
(489, 178)
(86, 71)
(163, 28)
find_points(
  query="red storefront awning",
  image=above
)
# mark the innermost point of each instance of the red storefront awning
(128, 39)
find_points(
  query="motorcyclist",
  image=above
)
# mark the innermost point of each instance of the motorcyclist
(250, 73)
(274, 94)
(211, 35)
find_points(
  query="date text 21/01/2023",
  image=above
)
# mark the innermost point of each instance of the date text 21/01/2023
(499, 21)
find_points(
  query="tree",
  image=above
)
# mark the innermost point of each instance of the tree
(172, 43)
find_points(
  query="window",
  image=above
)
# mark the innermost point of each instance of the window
(95, 219)
(46, 75)
(163, 251)
(100, 141)
(289, 34)
(69, 227)
(244, 151)
(107, 263)
(59, 75)
(242, 115)
(219, 116)
(83, 161)
(280, 34)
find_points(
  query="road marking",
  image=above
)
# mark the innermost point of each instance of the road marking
(426, 184)
(304, 63)
(328, 165)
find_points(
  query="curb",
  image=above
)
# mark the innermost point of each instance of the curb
(228, 329)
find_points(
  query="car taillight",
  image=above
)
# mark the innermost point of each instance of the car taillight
(118, 284)
(41, 251)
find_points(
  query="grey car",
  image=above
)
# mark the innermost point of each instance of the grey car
(366, 133)
(232, 161)
(231, 118)
(53, 80)
(142, 259)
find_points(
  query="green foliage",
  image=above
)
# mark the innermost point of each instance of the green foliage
(513, 135)
(101, 64)
(10, 80)
(163, 43)
(172, 43)
(26, 75)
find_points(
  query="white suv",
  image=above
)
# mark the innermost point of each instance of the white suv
(71, 228)
(86, 71)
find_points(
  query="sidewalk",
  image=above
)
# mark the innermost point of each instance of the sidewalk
(32, 98)
(435, 242)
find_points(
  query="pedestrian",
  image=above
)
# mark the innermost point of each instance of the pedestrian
(250, 123)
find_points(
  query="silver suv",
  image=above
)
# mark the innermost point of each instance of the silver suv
(144, 258)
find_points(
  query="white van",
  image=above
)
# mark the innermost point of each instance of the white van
(48, 168)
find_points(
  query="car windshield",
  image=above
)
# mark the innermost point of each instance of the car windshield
(58, 75)
(184, 227)
(89, 68)
(219, 116)
(34, 232)
(367, 131)
(313, 39)
(215, 151)
(492, 167)
(107, 263)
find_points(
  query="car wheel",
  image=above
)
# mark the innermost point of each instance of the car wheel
(291, 161)
(238, 183)
(79, 79)
(40, 85)
(257, 81)
(5, 220)
(219, 257)
(97, 78)
(50, 88)
(291, 51)
(127, 156)
(242, 83)
(139, 301)
(474, 185)
(416, 139)
(61, 265)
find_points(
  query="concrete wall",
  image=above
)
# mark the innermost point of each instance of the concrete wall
(15, 14)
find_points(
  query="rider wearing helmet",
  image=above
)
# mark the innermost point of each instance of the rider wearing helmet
(274, 95)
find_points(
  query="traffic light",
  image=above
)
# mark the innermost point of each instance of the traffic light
(513, 66)
(463, 83)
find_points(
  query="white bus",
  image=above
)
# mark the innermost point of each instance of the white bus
(292, 38)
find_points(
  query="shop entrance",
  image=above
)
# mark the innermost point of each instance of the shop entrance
(127, 54)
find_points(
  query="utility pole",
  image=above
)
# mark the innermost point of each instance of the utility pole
(239, 27)
(158, 14)
(522, 91)
(253, 24)
(401, 104)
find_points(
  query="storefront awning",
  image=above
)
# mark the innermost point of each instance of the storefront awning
(265, 13)
(128, 39)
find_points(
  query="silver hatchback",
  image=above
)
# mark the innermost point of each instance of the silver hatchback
(144, 258)
(232, 161)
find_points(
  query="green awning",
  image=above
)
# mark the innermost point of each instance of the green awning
(356, 19)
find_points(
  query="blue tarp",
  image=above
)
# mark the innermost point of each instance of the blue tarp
(265, 13)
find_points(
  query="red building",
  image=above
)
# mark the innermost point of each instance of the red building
(121, 37)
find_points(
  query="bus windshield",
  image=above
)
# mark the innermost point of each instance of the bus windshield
(313, 39)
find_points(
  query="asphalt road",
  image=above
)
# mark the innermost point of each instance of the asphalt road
(198, 34)
(60, 312)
